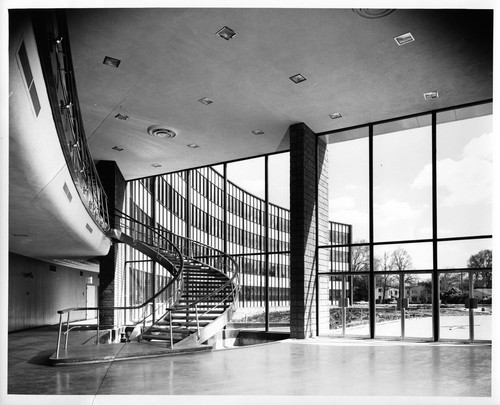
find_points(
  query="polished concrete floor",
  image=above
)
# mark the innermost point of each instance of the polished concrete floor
(317, 367)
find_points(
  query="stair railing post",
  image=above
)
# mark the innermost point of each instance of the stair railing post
(67, 333)
(59, 336)
(197, 321)
(97, 338)
(171, 332)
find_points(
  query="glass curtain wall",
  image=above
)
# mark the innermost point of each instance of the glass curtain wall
(259, 189)
(464, 183)
(142, 277)
(240, 208)
(349, 252)
(417, 193)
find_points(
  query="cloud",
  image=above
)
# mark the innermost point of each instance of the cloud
(480, 147)
(400, 220)
(393, 210)
(466, 181)
(341, 203)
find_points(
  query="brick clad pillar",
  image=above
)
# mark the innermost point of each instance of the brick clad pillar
(303, 228)
(111, 267)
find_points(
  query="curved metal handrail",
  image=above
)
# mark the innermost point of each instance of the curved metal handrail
(201, 251)
(233, 279)
(156, 240)
(159, 292)
(176, 281)
(55, 57)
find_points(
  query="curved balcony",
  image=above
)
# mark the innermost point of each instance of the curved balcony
(57, 208)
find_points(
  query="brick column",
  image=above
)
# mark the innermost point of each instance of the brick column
(303, 228)
(112, 265)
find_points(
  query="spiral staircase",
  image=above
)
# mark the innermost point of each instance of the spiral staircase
(205, 278)
(196, 302)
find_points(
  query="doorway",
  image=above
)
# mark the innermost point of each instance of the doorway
(345, 298)
(403, 306)
(91, 301)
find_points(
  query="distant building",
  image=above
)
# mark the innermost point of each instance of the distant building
(419, 294)
(482, 293)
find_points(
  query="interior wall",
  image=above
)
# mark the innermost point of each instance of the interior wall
(36, 292)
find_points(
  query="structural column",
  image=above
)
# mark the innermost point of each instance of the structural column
(111, 277)
(305, 172)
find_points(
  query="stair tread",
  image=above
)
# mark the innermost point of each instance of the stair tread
(193, 311)
(160, 331)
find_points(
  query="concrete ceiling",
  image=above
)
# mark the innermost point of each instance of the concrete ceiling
(171, 58)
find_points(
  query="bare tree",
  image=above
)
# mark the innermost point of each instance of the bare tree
(360, 261)
(401, 260)
(360, 257)
(385, 280)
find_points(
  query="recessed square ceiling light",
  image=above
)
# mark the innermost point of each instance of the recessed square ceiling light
(193, 146)
(156, 165)
(298, 78)
(205, 100)
(113, 62)
(121, 117)
(226, 33)
(431, 94)
(335, 115)
(404, 39)
(117, 148)
(258, 132)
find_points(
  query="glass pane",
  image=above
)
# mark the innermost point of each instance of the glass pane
(457, 313)
(348, 185)
(279, 175)
(330, 302)
(279, 292)
(454, 317)
(402, 185)
(465, 254)
(407, 256)
(357, 312)
(483, 313)
(387, 314)
(248, 175)
(465, 176)
(360, 258)
(418, 314)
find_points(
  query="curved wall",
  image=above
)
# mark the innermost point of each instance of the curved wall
(47, 219)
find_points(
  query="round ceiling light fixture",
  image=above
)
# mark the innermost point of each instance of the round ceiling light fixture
(159, 131)
(373, 13)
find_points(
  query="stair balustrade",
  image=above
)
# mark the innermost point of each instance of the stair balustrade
(204, 283)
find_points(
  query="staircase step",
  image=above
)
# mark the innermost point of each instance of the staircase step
(202, 308)
(192, 315)
(198, 276)
(160, 337)
(191, 323)
(165, 330)
(219, 310)
(204, 293)
(205, 281)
